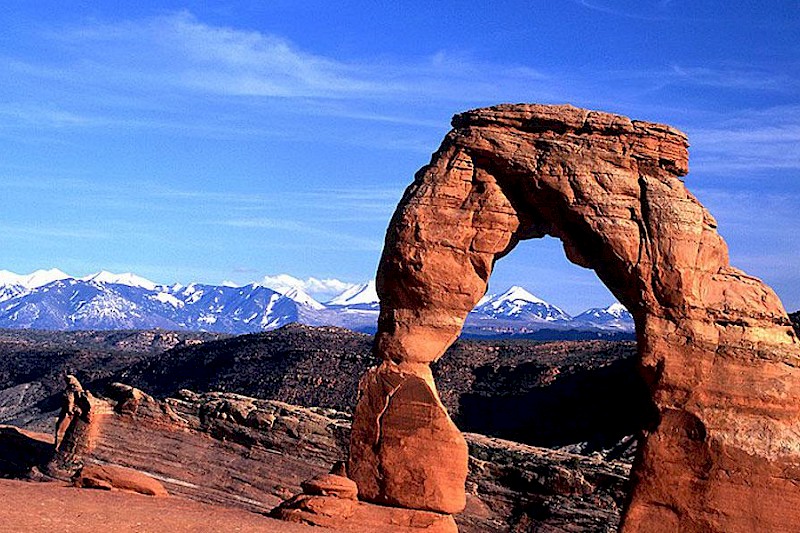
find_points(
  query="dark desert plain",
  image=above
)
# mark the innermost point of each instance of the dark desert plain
(421, 267)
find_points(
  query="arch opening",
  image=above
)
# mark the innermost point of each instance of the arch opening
(559, 381)
(716, 346)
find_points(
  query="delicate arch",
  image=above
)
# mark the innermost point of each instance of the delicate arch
(715, 344)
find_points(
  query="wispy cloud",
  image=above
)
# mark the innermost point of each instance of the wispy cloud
(322, 238)
(37, 115)
(184, 53)
(749, 140)
(230, 61)
(122, 204)
(642, 10)
(731, 77)
(31, 230)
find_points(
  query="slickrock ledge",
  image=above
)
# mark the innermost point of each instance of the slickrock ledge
(714, 344)
(216, 448)
(250, 454)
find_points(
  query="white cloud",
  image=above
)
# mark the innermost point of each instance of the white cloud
(313, 286)
(319, 237)
(180, 51)
(231, 61)
(748, 140)
(638, 11)
(327, 285)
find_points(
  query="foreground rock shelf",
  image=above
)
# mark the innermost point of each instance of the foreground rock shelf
(253, 454)
(37, 507)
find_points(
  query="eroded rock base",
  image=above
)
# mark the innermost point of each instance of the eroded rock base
(253, 454)
(404, 449)
(331, 501)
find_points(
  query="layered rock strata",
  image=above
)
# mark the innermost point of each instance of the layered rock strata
(253, 454)
(715, 344)
(216, 448)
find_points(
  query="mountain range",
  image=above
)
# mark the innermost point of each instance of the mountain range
(53, 300)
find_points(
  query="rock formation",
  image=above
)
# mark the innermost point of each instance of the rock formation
(216, 448)
(252, 454)
(715, 345)
(331, 500)
(76, 402)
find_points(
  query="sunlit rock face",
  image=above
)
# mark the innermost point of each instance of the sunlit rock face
(715, 345)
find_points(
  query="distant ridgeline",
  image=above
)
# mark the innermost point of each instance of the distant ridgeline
(53, 300)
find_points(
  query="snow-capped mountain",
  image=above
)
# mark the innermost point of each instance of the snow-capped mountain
(303, 298)
(291, 287)
(33, 280)
(615, 317)
(13, 285)
(357, 308)
(363, 296)
(132, 280)
(51, 299)
(126, 301)
(518, 304)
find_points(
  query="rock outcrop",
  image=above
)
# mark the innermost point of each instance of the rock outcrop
(22, 452)
(34, 363)
(216, 448)
(252, 454)
(516, 488)
(549, 394)
(715, 345)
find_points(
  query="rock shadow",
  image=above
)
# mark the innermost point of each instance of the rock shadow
(596, 406)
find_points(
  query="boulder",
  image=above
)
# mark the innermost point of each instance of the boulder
(331, 485)
(109, 477)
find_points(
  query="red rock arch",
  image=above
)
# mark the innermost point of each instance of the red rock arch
(715, 344)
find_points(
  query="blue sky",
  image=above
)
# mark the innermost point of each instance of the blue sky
(183, 141)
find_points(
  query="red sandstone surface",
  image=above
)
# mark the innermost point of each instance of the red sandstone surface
(54, 507)
(250, 454)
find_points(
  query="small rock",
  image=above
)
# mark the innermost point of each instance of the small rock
(110, 477)
(331, 485)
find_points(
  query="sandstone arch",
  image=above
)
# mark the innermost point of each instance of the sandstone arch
(715, 345)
